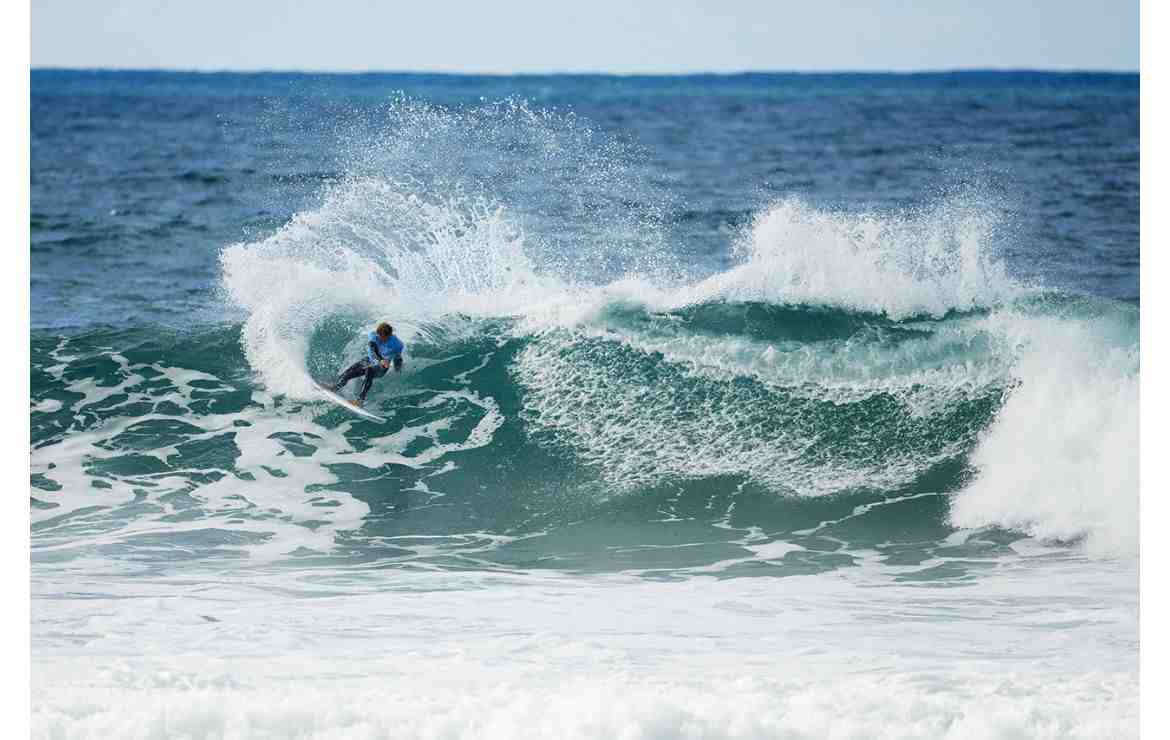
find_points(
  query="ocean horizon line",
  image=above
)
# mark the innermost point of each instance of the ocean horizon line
(926, 72)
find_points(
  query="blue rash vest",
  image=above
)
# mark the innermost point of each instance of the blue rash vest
(377, 350)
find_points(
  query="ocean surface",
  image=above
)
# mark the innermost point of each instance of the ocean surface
(751, 406)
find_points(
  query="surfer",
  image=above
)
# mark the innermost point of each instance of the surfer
(382, 350)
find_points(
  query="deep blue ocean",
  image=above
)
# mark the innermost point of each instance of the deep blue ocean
(761, 405)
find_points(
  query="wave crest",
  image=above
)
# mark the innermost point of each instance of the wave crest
(903, 264)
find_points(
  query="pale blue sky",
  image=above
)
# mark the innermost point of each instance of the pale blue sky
(623, 36)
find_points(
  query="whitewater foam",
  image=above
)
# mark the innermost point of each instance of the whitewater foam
(381, 703)
(536, 655)
(1060, 460)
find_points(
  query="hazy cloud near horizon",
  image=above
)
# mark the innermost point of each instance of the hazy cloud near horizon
(599, 36)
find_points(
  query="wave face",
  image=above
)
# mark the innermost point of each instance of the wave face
(851, 463)
(839, 362)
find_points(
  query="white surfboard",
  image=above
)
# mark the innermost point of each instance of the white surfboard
(346, 404)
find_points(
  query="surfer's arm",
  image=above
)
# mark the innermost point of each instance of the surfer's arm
(375, 356)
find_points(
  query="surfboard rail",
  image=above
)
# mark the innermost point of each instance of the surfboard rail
(345, 403)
